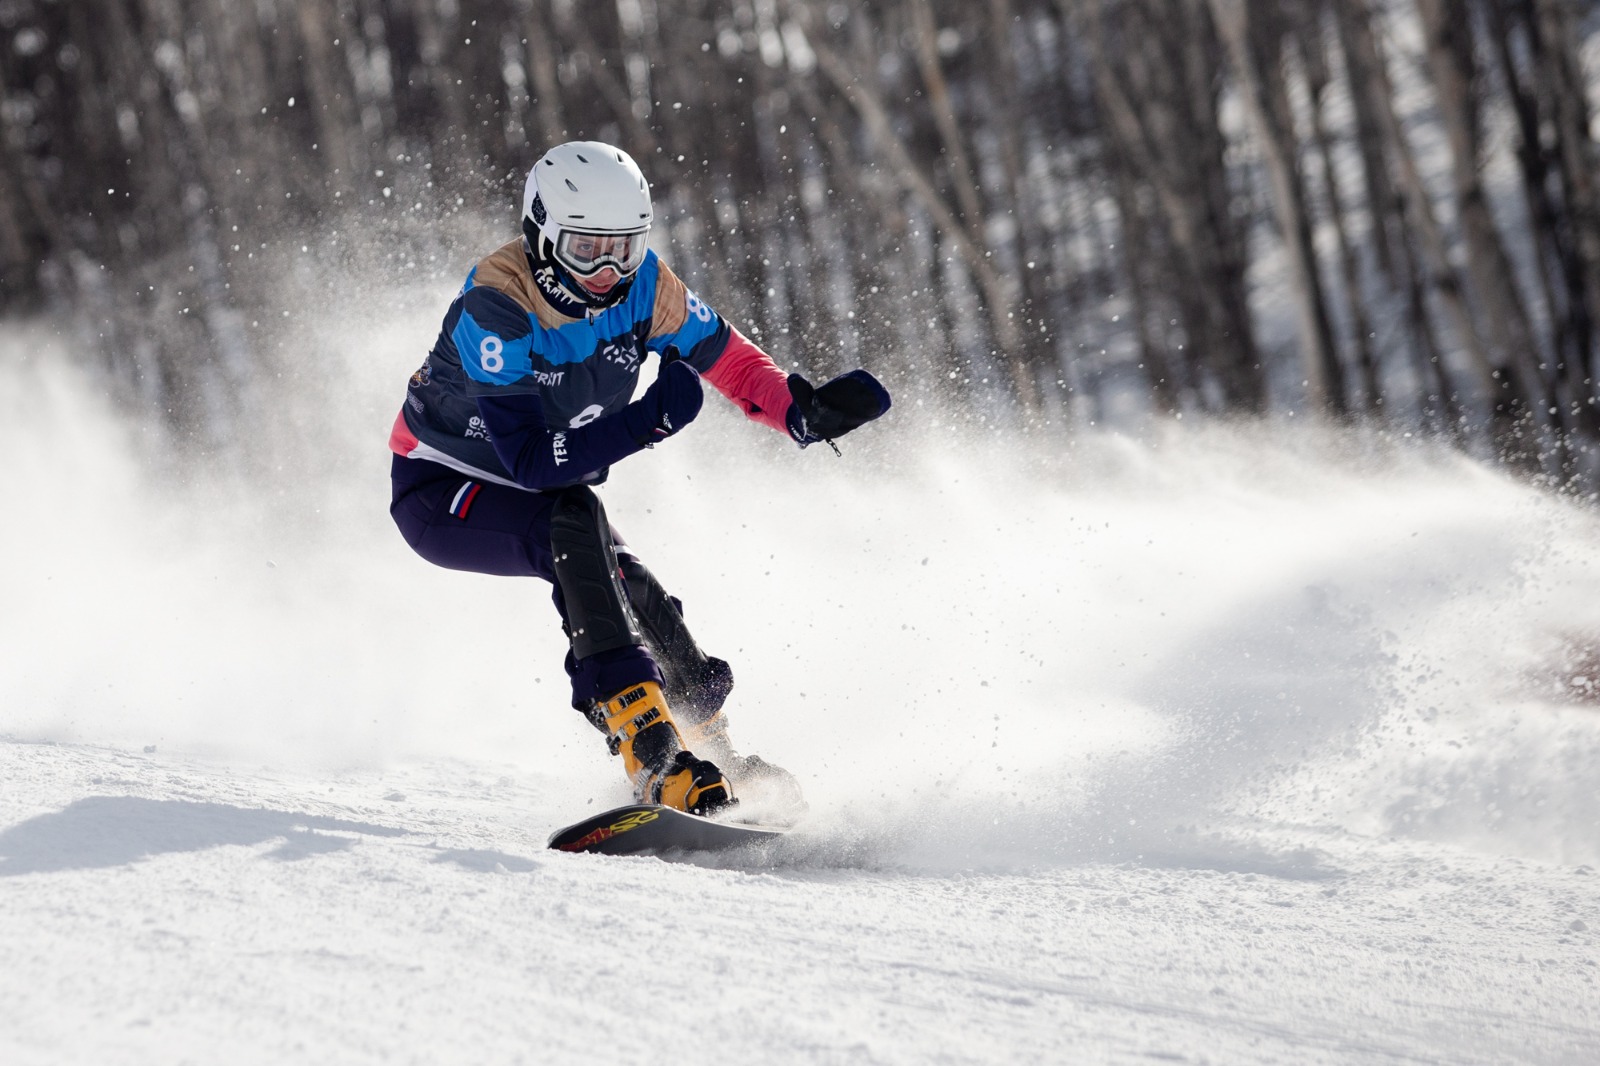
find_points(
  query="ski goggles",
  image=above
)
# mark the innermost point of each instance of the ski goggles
(586, 254)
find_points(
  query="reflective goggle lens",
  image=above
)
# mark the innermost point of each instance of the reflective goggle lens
(586, 254)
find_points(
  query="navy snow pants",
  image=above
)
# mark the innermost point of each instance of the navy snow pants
(462, 523)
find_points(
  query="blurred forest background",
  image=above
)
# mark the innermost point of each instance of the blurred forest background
(1045, 212)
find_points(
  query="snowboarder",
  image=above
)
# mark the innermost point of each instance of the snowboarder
(523, 404)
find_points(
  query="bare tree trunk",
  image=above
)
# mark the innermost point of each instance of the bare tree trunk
(926, 34)
(1160, 108)
(998, 293)
(1028, 238)
(332, 103)
(1435, 395)
(1504, 390)
(1166, 375)
(1501, 315)
(1262, 95)
(1579, 156)
(1318, 76)
(541, 25)
(1385, 204)
(27, 219)
(1557, 157)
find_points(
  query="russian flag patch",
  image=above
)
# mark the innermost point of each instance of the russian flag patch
(463, 498)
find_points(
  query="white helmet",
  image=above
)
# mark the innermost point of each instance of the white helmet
(591, 202)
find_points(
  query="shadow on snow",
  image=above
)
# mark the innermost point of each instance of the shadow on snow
(104, 831)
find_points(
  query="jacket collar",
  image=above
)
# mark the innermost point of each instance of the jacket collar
(562, 290)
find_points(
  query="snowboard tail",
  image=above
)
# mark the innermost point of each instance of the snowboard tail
(651, 829)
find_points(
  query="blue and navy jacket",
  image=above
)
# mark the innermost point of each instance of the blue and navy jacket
(519, 355)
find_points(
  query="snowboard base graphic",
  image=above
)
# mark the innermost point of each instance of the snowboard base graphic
(651, 829)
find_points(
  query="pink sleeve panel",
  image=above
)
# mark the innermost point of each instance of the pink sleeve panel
(747, 375)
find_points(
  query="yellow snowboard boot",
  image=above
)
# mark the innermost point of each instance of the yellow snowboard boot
(640, 727)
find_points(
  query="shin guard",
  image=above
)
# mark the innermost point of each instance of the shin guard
(696, 683)
(599, 616)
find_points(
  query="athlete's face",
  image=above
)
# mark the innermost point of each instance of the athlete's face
(602, 282)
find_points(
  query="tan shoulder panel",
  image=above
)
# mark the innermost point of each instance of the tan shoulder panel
(506, 269)
(672, 302)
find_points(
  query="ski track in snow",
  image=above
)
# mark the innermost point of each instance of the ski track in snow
(1229, 745)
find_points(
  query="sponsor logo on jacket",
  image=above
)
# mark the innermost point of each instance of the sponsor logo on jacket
(624, 355)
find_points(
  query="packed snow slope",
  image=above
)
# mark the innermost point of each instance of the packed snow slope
(1213, 745)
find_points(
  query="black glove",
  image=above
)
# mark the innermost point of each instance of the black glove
(845, 403)
(671, 402)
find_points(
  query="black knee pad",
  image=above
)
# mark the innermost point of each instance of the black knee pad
(599, 617)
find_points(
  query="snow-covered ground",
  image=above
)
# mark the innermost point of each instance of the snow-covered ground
(1229, 745)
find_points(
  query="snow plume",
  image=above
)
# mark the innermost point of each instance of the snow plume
(1128, 650)
(978, 651)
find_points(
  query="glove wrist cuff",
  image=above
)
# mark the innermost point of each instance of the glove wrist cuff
(795, 422)
(638, 424)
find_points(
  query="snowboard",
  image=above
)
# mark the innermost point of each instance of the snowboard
(651, 829)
